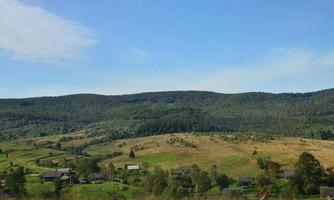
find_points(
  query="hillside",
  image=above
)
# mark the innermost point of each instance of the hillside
(234, 158)
(165, 112)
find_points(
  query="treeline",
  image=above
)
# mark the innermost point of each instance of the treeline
(165, 112)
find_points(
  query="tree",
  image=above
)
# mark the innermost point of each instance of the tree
(178, 187)
(144, 168)
(155, 183)
(263, 181)
(262, 163)
(110, 171)
(204, 182)
(132, 154)
(223, 181)
(201, 179)
(86, 166)
(58, 186)
(58, 145)
(15, 182)
(213, 174)
(309, 174)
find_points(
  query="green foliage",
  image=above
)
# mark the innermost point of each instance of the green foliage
(87, 166)
(175, 140)
(223, 181)
(263, 181)
(164, 112)
(200, 179)
(262, 163)
(132, 154)
(155, 183)
(309, 174)
(179, 187)
(15, 182)
(58, 186)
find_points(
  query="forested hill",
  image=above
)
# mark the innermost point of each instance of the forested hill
(162, 112)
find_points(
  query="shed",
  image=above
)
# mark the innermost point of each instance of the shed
(51, 176)
(132, 167)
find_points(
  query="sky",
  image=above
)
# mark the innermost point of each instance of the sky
(111, 47)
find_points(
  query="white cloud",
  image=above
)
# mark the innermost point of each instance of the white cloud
(32, 34)
(284, 71)
(280, 71)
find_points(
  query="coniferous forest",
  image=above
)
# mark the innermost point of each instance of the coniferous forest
(302, 114)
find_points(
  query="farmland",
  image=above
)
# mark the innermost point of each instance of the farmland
(234, 158)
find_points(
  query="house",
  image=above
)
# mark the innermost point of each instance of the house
(230, 193)
(181, 170)
(245, 180)
(51, 176)
(327, 192)
(66, 171)
(132, 167)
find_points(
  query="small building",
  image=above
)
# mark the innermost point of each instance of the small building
(66, 171)
(327, 192)
(181, 170)
(232, 193)
(132, 167)
(51, 176)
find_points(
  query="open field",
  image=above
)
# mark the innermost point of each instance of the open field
(234, 159)
(230, 158)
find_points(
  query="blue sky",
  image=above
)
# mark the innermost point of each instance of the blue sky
(58, 47)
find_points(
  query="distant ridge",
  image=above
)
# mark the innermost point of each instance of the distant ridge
(172, 111)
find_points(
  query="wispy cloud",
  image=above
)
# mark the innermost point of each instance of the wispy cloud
(32, 34)
(283, 70)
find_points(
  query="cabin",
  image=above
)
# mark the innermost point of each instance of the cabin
(51, 176)
(181, 171)
(245, 180)
(232, 193)
(326, 192)
(131, 167)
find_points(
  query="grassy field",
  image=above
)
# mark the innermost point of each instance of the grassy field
(230, 158)
(98, 191)
(234, 159)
